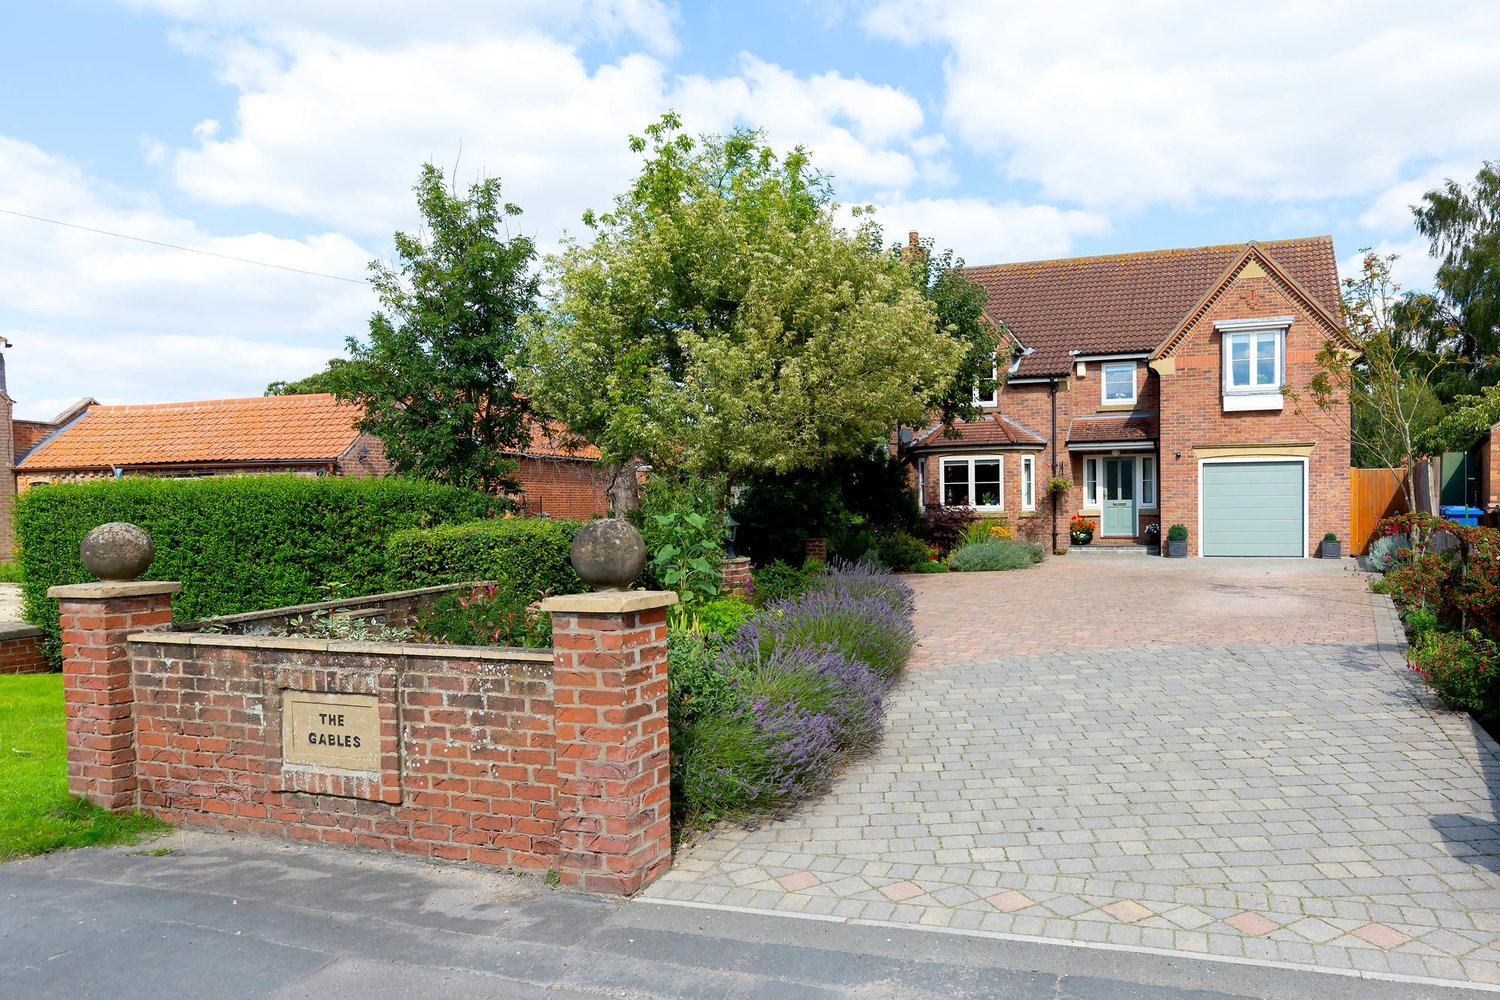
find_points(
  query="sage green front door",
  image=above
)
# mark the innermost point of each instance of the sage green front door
(1119, 498)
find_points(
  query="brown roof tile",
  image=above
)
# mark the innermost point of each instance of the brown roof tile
(259, 429)
(990, 429)
(1129, 302)
(1135, 427)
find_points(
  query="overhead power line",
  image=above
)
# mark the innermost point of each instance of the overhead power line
(174, 246)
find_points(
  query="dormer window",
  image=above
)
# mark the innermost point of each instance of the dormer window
(1254, 362)
(1117, 383)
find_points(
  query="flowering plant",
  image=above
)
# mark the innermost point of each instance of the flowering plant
(1153, 530)
(1081, 525)
(1059, 484)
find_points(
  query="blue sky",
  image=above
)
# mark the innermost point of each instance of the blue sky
(289, 131)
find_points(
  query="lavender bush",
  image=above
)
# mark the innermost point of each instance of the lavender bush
(769, 717)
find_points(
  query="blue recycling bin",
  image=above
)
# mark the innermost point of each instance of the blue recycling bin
(1461, 515)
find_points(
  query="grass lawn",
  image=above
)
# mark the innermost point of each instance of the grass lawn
(36, 813)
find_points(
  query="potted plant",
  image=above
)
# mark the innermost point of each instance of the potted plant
(1081, 529)
(1330, 547)
(1177, 541)
(1153, 537)
(1059, 485)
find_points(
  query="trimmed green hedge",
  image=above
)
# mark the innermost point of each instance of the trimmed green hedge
(527, 555)
(236, 543)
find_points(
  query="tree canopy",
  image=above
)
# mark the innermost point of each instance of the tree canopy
(437, 376)
(1462, 225)
(719, 318)
(326, 380)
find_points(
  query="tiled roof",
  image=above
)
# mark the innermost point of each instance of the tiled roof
(258, 429)
(1134, 427)
(549, 441)
(990, 429)
(1127, 303)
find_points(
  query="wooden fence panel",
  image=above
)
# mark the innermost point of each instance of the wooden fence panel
(1374, 494)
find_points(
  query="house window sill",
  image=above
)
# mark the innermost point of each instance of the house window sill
(1117, 407)
(1238, 403)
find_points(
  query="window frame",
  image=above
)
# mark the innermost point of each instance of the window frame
(1028, 482)
(969, 461)
(1142, 479)
(1091, 470)
(1104, 368)
(993, 399)
(1277, 335)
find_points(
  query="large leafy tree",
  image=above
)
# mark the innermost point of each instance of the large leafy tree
(719, 319)
(1383, 384)
(959, 304)
(1462, 225)
(437, 376)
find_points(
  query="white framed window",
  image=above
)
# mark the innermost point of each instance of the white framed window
(1117, 383)
(974, 481)
(986, 392)
(1147, 492)
(1028, 482)
(1091, 482)
(1253, 361)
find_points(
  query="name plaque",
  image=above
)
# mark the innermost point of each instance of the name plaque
(331, 730)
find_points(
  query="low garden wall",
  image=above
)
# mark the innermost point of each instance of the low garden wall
(520, 758)
(21, 649)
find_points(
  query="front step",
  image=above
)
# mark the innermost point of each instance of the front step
(1095, 549)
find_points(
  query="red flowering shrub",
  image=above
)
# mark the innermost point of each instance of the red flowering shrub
(1461, 584)
(1462, 670)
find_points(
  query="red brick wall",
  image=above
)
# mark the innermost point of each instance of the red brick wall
(1489, 470)
(560, 487)
(468, 768)
(27, 434)
(22, 653)
(365, 457)
(1193, 414)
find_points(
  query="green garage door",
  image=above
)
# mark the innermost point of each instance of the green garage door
(1252, 509)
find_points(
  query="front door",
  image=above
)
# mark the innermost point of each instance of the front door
(1119, 498)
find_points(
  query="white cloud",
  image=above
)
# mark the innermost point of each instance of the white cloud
(984, 232)
(1106, 104)
(89, 314)
(1412, 269)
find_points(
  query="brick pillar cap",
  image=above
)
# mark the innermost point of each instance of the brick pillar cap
(736, 561)
(112, 588)
(609, 602)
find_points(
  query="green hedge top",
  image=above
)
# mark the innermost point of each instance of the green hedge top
(235, 543)
(526, 555)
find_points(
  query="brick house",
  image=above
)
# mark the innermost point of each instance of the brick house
(311, 434)
(1153, 383)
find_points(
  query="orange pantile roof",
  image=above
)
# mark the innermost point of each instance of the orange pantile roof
(1131, 302)
(259, 429)
(1135, 427)
(550, 441)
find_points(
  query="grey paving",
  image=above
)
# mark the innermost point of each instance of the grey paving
(232, 917)
(1299, 803)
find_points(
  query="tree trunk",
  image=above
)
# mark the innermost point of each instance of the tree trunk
(623, 491)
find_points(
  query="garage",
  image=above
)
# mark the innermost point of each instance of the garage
(1254, 508)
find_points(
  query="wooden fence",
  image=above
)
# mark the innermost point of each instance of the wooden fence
(1374, 494)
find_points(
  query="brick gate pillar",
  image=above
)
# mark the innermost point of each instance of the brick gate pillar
(609, 670)
(98, 693)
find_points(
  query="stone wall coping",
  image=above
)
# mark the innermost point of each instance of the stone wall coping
(292, 610)
(18, 630)
(610, 602)
(106, 589)
(406, 649)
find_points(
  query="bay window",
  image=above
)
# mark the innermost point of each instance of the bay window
(973, 482)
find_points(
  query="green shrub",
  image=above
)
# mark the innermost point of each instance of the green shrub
(487, 615)
(719, 618)
(930, 566)
(778, 580)
(1382, 556)
(901, 551)
(1462, 670)
(10, 572)
(235, 543)
(996, 555)
(1421, 620)
(526, 555)
(1177, 533)
(1329, 536)
(683, 524)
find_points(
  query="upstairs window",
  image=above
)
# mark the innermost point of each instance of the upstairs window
(986, 391)
(1117, 383)
(1252, 361)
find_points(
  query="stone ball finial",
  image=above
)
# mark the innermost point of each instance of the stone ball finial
(117, 551)
(608, 554)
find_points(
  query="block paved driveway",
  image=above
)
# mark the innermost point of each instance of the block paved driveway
(1219, 758)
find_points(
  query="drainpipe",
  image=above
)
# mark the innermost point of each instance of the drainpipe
(1053, 387)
